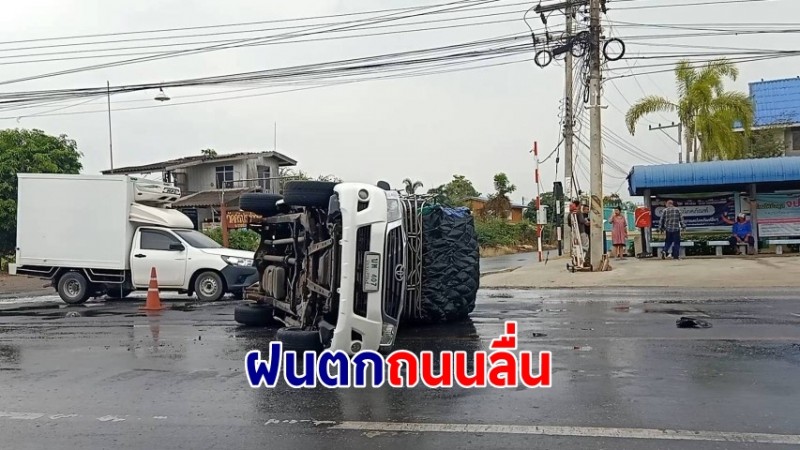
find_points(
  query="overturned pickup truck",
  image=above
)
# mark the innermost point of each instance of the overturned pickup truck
(341, 265)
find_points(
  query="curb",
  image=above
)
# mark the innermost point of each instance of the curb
(494, 272)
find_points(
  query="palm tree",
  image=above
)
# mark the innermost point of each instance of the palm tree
(412, 186)
(706, 111)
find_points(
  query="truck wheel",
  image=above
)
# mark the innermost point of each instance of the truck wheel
(254, 315)
(260, 203)
(73, 288)
(314, 194)
(299, 340)
(209, 287)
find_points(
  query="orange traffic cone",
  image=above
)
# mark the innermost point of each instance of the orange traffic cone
(153, 302)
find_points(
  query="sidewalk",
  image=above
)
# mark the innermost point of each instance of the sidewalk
(730, 272)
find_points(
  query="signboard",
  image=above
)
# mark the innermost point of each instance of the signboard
(240, 219)
(708, 214)
(778, 215)
(642, 217)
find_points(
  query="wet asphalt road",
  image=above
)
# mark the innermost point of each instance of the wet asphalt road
(105, 376)
(505, 262)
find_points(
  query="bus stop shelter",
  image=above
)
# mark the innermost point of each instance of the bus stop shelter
(711, 194)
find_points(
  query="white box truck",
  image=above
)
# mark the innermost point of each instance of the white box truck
(95, 235)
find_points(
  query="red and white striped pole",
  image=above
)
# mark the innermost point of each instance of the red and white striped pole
(538, 201)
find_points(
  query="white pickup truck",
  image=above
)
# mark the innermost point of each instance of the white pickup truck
(95, 235)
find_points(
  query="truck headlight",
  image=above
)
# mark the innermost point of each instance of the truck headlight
(236, 261)
(393, 210)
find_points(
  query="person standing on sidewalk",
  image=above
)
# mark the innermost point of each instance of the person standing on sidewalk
(672, 223)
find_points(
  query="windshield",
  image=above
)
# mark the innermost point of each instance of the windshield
(197, 239)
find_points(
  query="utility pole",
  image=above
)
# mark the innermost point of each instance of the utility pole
(568, 129)
(110, 145)
(678, 141)
(596, 238)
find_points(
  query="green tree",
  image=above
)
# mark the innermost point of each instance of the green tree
(28, 151)
(454, 193)
(499, 205)
(706, 111)
(209, 152)
(412, 186)
(612, 201)
(287, 174)
(766, 143)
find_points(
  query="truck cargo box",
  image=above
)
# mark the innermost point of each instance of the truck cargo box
(84, 221)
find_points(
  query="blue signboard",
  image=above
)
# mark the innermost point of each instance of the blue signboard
(706, 215)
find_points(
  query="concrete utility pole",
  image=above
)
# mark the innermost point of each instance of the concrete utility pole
(568, 129)
(678, 141)
(596, 149)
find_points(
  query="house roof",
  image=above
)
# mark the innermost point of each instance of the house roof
(188, 161)
(212, 197)
(771, 173)
(484, 200)
(777, 102)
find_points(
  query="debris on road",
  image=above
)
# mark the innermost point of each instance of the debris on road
(691, 322)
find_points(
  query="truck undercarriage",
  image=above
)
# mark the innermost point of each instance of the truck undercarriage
(341, 264)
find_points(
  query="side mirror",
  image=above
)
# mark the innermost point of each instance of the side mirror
(177, 247)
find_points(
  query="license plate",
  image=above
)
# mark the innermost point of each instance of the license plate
(372, 272)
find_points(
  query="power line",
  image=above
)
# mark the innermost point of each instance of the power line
(260, 22)
(312, 30)
(329, 84)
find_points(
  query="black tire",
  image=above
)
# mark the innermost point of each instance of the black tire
(299, 340)
(73, 288)
(259, 203)
(253, 315)
(314, 194)
(209, 287)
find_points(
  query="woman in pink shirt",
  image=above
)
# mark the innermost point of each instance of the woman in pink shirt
(619, 232)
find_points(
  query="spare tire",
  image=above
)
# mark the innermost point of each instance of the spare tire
(254, 315)
(315, 194)
(298, 339)
(259, 203)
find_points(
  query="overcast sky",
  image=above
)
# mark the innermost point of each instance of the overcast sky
(476, 122)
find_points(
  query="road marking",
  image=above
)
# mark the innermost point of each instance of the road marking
(621, 433)
(20, 415)
(110, 419)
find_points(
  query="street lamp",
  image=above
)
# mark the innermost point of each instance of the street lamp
(161, 97)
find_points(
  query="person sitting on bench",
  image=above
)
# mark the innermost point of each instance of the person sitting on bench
(742, 233)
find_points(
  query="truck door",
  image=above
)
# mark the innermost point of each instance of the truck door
(162, 250)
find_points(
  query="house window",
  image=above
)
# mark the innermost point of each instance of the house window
(224, 177)
(263, 178)
(796, 139)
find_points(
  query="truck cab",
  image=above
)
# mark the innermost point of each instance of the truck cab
(189, 261)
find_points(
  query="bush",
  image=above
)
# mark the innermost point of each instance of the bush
(497, 232)
(239, 239)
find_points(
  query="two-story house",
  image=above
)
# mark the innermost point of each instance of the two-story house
(206, 181)
(777, 105)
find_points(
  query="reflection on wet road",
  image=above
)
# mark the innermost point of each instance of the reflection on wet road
(623, 373)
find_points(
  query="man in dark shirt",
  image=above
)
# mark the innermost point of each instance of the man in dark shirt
(672, 223)
(742, 233)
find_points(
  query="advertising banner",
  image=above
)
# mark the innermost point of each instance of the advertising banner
(701, 215)
(778, 215)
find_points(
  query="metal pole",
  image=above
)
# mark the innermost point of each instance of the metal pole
(538, 202)
(275, 137)
(110, 145)
(568, 130)
(223, 217)
(596, 161)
